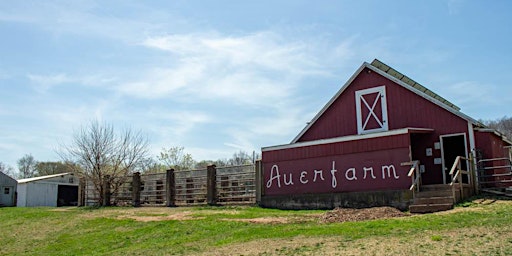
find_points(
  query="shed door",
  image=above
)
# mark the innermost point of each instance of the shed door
(7, 196)
(452, 145)
(67, 195)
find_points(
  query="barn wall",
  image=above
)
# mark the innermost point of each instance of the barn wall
(22, 195)
(323, 174)
(405, 109)
(6, 181)
(41, 194)
(492, 146)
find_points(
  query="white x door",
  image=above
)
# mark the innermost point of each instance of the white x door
(371, 110)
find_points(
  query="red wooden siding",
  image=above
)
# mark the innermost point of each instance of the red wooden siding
(348, 147)
(286, 166)
(405, 109)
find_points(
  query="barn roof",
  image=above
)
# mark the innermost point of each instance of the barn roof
(400, 79)
(43, 177)
(393, 72)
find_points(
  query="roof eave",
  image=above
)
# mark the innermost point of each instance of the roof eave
(330, 102)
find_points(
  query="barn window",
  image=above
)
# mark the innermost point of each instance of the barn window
(6, 191)
(371, 110)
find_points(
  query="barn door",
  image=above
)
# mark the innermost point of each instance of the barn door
(452, 145)
(371, 110)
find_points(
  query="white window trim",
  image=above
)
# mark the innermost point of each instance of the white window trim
(361, 124)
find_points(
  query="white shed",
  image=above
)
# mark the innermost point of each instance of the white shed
(7, 190)
(52, 190)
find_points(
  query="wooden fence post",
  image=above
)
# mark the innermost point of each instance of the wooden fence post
(81, 192)
(170, 188)
(211, 185)
(257, 180)
(136, 189)
(106, 190)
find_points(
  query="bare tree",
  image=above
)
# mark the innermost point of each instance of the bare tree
(6, 169)
(27, 166)
(241, 158)
(100, 155)
(176, 158)
(504, 125)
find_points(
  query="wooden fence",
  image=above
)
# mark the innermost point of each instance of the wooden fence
(212, 186)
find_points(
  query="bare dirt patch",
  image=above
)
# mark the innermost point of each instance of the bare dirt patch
(161, 217)
(349, 214)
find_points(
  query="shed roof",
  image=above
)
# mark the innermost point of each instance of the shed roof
(7, 176)
(43, 177)
(400, 79)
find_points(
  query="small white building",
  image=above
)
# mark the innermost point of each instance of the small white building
(52, 190)
(7, 190)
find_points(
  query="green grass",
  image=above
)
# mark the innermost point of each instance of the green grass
(120, 231)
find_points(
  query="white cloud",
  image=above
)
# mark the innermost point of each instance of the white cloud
(45, 82)
(257, 69)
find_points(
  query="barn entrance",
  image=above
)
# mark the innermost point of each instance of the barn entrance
(452, 145)
(67, 195)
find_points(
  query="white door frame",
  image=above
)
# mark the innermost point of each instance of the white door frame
(445, 169)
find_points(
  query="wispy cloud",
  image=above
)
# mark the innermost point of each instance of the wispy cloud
(259, 65)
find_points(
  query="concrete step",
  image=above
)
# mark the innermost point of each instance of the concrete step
(433, 200)
(428, 208)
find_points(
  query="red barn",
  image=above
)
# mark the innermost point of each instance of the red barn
(384, 139)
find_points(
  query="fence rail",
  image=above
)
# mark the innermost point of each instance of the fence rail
(494, 173)
(225, 185)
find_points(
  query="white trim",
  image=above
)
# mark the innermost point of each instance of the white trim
(397, 81)
(381, 94)
(43, 177)
(346, 138)
(472, 149)
(331, 101)
(444, 168)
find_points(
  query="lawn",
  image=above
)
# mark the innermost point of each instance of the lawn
(482, 226)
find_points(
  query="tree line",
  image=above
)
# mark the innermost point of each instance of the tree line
(97, 150)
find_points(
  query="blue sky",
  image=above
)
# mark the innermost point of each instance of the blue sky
(221, 76)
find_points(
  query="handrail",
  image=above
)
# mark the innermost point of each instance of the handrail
(494, 159)
(457, 177)
(414, 173)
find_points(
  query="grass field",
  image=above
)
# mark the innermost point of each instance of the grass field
(480, 227)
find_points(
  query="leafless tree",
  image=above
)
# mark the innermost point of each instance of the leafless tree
(27, 166)
(6, 169)
(504, 125)
(100, 154)
(241, 158)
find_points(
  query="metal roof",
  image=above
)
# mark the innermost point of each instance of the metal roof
(43, 177)
(393, 72)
